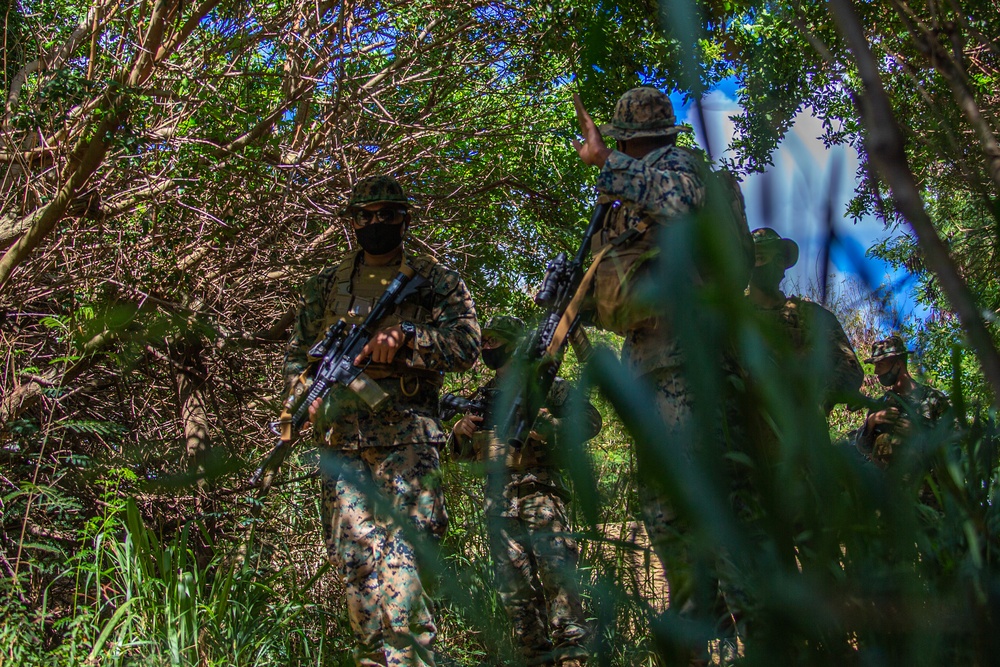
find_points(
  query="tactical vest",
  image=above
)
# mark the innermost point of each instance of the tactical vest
(627, 251)
(355, 289)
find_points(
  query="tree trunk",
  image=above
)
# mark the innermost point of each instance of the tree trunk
(191, 379)
(884, 143)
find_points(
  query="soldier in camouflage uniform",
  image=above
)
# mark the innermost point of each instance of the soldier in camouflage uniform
(378, 468)
(534, 557)
(806, 329)
(906, 411)
(658, 185)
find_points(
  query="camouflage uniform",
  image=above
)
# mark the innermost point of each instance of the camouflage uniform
(926, 405)
(808, 328)
(376, 468)
(923, 405)
(660, 189)
(534, 557)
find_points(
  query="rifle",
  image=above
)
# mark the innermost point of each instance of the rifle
(453, 404)
(335, 368)
(541, 353)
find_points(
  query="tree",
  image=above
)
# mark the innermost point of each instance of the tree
(935, 67)
(174, 170)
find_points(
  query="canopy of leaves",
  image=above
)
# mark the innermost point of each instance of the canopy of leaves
(172, 171)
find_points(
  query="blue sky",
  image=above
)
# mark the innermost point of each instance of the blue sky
(800, 181)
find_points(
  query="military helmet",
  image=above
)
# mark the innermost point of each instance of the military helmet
(376, 190)
(768, 244)
(505, 327)
(643, 112)
(893, 346)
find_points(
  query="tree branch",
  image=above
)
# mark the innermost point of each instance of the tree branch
(885, 148)
(946, 64)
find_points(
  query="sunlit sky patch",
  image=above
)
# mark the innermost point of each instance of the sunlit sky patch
(800, 182)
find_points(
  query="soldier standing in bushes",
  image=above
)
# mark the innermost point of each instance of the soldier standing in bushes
(814, 336)
(659, 188)
(905, 414)
(380, 468)
(534, 556)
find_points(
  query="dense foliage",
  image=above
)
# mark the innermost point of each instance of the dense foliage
(172, 171)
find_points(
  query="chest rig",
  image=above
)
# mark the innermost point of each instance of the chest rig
(355, 289)
(357, 286)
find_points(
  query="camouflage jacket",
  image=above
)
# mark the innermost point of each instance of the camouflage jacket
(447, 340)
(661, 186)
(924, 407)
(816, 338)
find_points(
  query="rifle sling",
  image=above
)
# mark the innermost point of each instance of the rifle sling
(573, 309)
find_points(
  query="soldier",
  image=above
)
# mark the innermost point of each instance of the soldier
(659, 188)
(534, 557)
(389, 457)
(813, 333)
(905, 410)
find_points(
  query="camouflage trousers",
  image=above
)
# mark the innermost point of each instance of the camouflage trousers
(535, 562)
(366, 493)
(667, 536)
(692, 593)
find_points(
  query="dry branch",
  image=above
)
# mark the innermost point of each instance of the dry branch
(885, 148)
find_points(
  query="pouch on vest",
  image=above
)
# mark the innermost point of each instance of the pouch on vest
(530, 454)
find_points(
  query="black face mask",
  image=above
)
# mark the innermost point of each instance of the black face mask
(496, 357)
(889, 378)
(379, 238)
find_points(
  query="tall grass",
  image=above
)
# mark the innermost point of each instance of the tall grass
(137, 599)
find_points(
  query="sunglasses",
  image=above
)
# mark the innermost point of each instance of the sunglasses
(383, 215)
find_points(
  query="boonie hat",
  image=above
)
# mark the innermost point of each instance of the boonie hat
(768, 243)
(376, 190)
(893, 346)
(643, 112)
(505, 327)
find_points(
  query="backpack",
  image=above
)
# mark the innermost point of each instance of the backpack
(723, 255)
(727, 256)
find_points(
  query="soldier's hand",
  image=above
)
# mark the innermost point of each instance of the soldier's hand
(903, 426)
(314, 409)
(544, 425)
(882, 418)
(383, 347)
(467, 425)
(592, 149)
